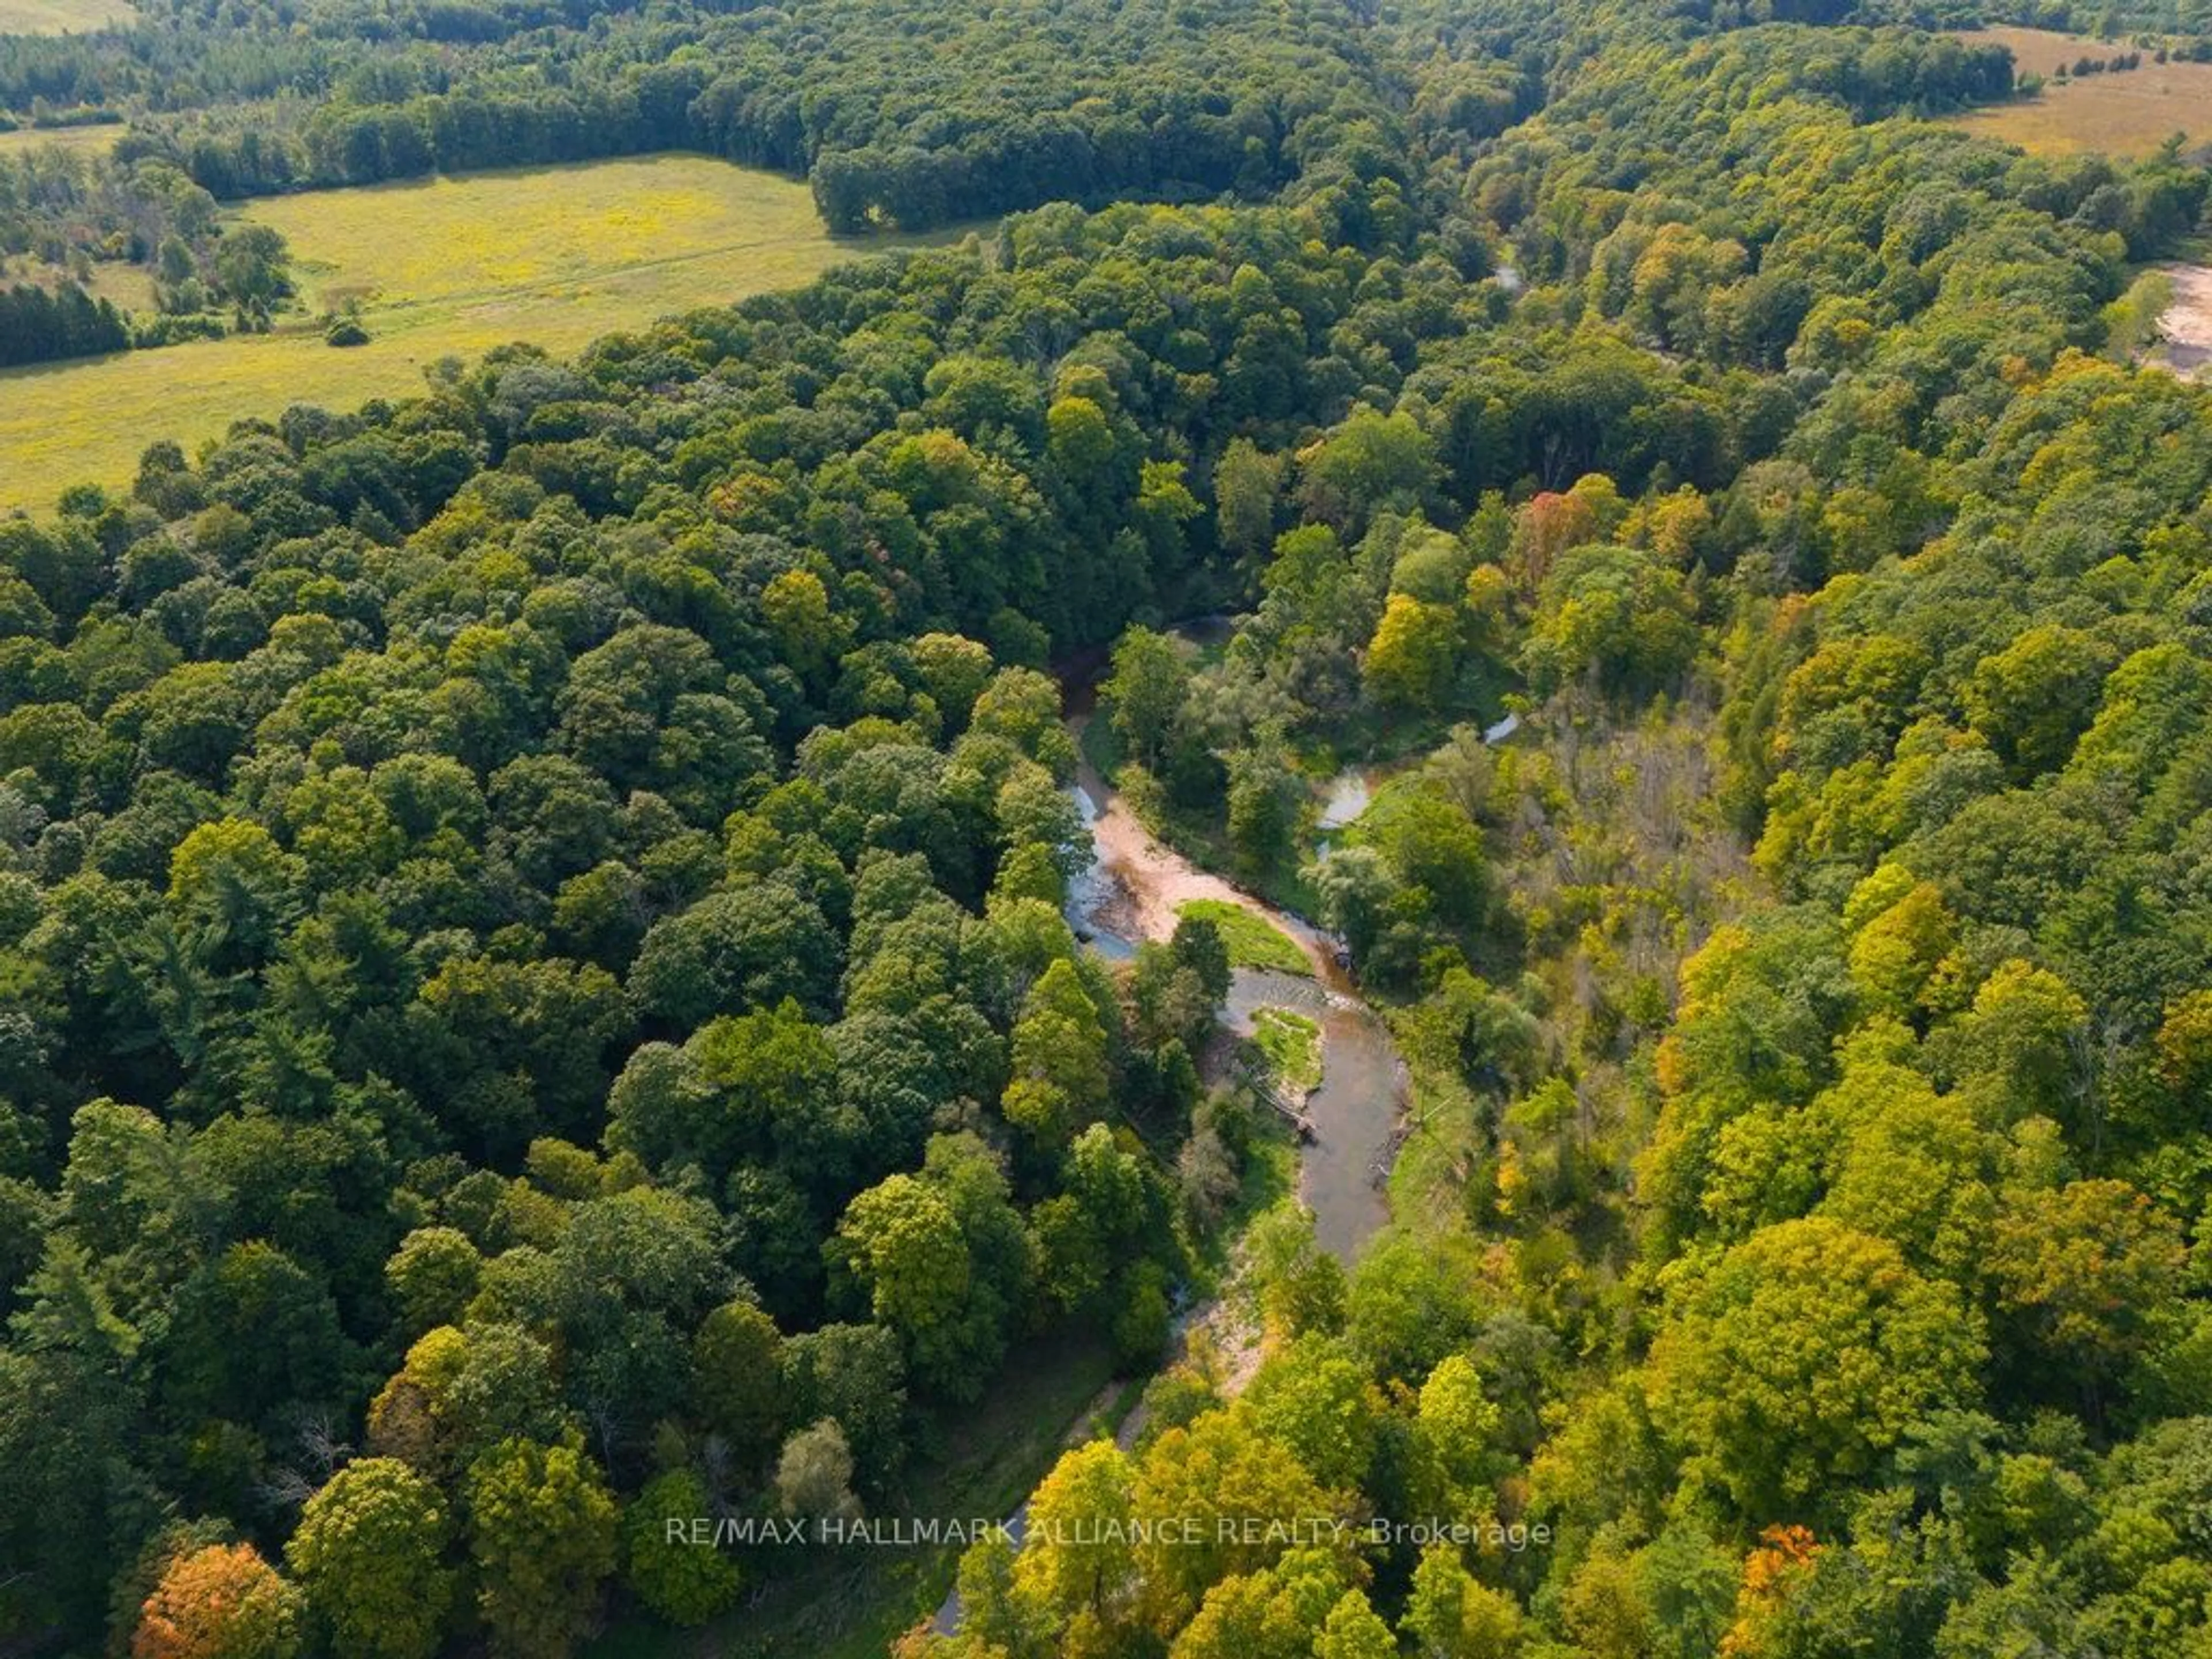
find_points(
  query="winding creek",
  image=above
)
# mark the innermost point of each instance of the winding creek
(1130, 893)
(1132, 890)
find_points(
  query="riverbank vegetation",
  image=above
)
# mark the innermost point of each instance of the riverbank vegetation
(538, 996)
(1291, 1042)
(1251, 940)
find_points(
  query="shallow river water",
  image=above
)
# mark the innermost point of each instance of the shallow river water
(1132, 891)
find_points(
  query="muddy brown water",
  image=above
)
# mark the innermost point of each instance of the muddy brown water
(1342, 1170)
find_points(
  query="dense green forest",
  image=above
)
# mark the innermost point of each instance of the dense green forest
(901, 117)
(535, 993)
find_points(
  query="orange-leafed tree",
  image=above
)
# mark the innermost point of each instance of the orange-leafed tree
(1784, 1555)
(222, 1602)
(1550, 524)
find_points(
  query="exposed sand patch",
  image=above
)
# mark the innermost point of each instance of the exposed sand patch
(1154, 882)
(2187, 326)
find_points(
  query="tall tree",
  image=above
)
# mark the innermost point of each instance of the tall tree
(369, 1559)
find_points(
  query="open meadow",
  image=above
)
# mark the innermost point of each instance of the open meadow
(2119, 112)
(60, 16)
(439, 268)
(93, 139)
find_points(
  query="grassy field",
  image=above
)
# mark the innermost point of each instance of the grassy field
(447, 267)
(99, 137)
(129, 286)
(1253, 941)
(2121, 113)
(59, 16)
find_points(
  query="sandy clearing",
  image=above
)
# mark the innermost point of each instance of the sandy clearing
(2187, 323)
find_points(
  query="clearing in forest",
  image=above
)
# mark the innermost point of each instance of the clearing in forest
(60, 16)
(438, 268)
(93, 137)
(2120, 112)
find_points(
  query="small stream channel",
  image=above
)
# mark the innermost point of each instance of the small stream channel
(1130, 892)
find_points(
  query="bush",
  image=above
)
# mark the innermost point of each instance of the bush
(171, 329)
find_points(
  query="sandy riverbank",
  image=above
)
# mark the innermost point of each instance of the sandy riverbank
(2187, 326)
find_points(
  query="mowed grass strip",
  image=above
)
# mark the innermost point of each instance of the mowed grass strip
(2127, 112)
(442, 268)
(60, 16)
